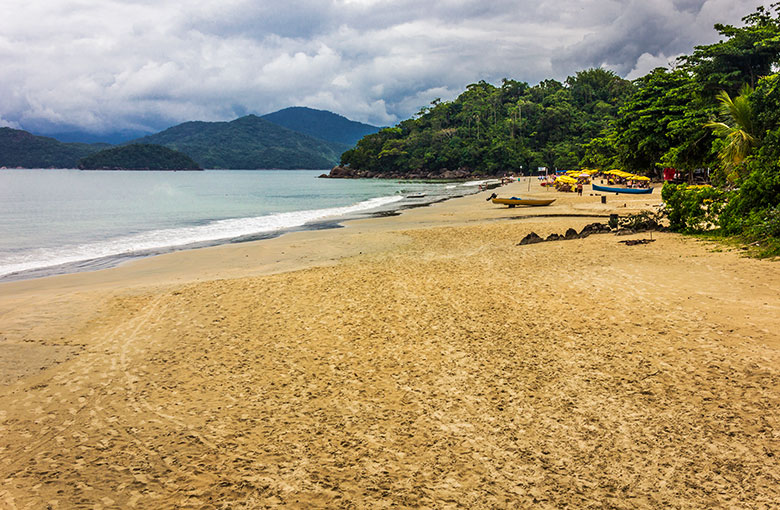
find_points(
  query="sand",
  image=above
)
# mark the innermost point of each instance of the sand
(418, 361)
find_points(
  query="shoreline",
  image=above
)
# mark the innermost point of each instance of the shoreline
(385, 217)
(114, 260)
(417, 360)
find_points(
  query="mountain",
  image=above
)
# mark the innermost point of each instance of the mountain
(247, 143)
(321, 124)
(138, 157)
(22, 149)
(112, 138)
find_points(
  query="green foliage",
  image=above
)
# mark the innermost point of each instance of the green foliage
(138, 157)
(601, 152)
(746, 54)
(491, 130)
(22, 149)
(758, 192)
(662, 123)
(693, 209)
(765, 103)
(737, 136)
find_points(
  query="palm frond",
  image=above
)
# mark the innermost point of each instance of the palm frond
(738, 137)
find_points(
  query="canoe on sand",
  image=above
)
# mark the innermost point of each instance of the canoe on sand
(511, 202)
(633, 191)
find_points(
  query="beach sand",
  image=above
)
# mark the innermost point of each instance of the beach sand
(417, 361)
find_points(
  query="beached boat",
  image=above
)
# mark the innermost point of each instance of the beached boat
(511, 202)
(635, 191)
(416, 195)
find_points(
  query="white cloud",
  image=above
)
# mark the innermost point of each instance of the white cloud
(147, 64)
(647, 62)
(9, 124)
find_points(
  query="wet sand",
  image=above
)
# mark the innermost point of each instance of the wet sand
(417, 361)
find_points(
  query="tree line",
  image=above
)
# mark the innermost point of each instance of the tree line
(489, 129)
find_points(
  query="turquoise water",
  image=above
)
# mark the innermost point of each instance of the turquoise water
(58, 221)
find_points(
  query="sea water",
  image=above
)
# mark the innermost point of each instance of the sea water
(60, 221)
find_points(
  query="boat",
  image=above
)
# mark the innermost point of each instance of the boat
(511, 202)
(416, 195)
(634, 191)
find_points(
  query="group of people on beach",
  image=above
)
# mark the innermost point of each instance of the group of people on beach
(628, 183)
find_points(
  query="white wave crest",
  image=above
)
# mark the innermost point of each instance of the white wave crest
(220, 230)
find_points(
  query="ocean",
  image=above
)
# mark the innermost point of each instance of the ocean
(63, 221)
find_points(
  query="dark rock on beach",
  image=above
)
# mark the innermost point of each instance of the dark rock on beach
(531, 238)
(593, 228)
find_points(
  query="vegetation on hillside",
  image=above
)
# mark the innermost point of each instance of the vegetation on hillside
(138, 157)
(321, 124)
(247, 143)
(490, 130)
(22, 149)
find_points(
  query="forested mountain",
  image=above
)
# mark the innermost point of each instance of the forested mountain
(322, 124)
(489, 130)
(22, 149)
(249, 142)
(138, 157)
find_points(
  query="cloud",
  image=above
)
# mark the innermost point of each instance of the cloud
(9, 124)
(147, 64)
(653, 28)
(647, 62)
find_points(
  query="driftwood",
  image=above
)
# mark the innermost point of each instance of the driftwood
(632, 242)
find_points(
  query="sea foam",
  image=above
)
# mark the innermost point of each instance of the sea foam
(157, 241)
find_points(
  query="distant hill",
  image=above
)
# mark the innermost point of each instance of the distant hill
(138, 157)
(321, 124)
(247, 143)
(22, 149)
(111, 138)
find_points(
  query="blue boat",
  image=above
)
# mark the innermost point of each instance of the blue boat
(634, 191)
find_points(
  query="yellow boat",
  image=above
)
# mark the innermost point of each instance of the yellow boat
(511, 202)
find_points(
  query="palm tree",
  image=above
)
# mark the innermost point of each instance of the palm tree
(738, 137)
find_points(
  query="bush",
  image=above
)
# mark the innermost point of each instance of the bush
(758, 193)
(693, 208)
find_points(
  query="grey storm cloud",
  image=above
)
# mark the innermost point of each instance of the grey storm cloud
(107, 65)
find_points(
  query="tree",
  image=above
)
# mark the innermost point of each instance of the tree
(748, 53)
(662, 121)
(738, 137)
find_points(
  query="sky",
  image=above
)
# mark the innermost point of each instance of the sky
(143, 65)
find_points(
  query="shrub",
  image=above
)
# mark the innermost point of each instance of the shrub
(693, 208)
